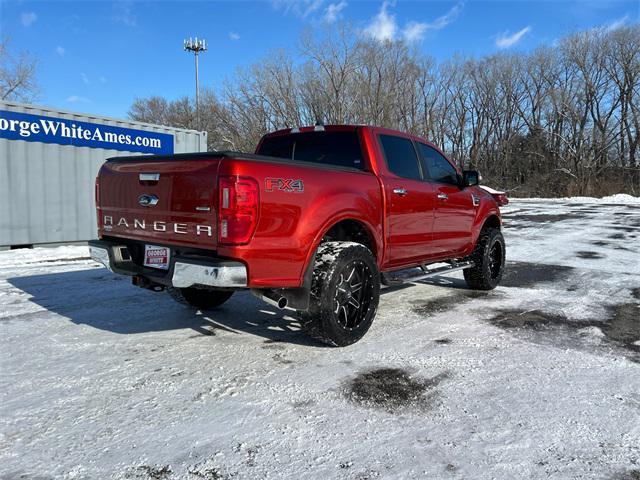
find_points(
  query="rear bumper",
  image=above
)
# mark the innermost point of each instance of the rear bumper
(183, 271)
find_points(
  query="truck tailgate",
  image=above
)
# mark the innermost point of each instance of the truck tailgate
(165, 201)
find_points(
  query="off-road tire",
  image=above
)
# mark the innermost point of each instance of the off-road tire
(486, 273)
(199, 298)
(340, 312)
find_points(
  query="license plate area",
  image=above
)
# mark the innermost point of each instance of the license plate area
(157, 257)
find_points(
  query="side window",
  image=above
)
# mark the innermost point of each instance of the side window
(437, 167)
(401, 156)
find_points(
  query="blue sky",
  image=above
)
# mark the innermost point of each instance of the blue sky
(97, 56)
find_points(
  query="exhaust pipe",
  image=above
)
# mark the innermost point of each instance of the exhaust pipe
(272, 298)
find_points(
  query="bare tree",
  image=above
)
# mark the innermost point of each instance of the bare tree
(151, 110)
(17, 74)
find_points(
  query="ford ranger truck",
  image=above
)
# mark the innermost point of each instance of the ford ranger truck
(314, 221)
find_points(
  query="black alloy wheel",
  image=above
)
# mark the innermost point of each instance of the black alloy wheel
(489, 261)
(344, 294)
(495, 259)
(354, 292)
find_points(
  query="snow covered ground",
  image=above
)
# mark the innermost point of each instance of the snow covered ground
(537, 379)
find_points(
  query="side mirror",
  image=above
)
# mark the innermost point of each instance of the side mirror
(470, 178)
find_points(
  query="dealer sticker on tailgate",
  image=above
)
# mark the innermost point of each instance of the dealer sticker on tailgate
(156, 257)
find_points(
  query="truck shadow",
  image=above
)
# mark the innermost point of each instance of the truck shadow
(102, 300)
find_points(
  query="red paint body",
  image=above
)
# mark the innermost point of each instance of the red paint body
(406, 230)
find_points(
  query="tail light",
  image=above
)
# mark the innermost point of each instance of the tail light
(501, 199)
(237, 209)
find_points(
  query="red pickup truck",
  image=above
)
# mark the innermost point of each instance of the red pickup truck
(314, 221)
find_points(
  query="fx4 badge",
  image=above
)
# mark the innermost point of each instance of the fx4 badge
(288, 185)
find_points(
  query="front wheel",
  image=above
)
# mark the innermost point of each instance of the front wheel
(344, 293)
(200, 298)
(489, 260)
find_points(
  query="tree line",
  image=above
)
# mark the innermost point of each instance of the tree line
(560, 120)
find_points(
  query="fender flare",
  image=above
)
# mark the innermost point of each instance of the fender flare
(488, 216)
(328, 225)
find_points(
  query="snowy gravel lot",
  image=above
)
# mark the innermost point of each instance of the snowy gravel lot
(537, 379)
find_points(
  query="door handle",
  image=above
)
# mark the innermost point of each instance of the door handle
(443, 196)
(400, 191)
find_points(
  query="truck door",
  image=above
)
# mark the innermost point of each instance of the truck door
(454, 209)
(409, 203)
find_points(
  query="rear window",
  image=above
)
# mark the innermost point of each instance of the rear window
(329, 148)
(401, 156)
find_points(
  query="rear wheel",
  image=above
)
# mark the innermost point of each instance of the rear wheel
(489, 260)
(200, 298)
(344, 293)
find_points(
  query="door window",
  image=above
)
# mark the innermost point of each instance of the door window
(401, 156)
(437, 167)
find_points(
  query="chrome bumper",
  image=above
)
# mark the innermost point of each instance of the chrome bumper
(228, 274)
(184, 272)
(100, 255)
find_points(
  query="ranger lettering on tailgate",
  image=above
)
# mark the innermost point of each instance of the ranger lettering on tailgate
(157, 226)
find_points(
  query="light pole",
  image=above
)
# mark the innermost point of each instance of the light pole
(196, 47)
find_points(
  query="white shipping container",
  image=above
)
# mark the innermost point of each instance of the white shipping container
(48, 163)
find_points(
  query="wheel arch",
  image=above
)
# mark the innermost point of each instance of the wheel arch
(351, 230)
(347, 229)
(492, 221)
